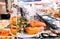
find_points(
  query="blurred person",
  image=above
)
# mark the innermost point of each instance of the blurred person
(14, 13)
(11, 11)
(8, 12)
(30, 12)
(18, 9)
(21, 12)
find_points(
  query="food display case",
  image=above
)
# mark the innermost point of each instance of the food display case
(37, 22)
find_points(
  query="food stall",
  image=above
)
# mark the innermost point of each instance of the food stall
(42, 24)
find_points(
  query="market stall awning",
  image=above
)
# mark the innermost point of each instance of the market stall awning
(2, 4)
(41, 3)
(54, 0)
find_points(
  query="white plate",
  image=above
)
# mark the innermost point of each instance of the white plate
(5, 22)
(24, 35)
